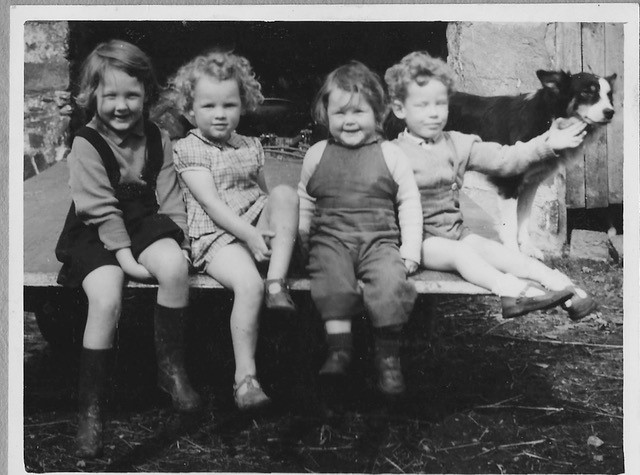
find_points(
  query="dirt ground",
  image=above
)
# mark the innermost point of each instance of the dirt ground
(538, 394)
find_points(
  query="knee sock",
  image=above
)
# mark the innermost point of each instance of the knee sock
(340, 342)
(388, 340)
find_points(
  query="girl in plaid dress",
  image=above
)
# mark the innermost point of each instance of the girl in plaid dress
(233, 222)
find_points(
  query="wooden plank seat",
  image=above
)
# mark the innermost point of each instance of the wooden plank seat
(46, 201)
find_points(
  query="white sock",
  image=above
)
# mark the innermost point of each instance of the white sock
(508, 285)
(556, 280)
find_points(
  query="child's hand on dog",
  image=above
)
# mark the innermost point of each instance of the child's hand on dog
(569, 137)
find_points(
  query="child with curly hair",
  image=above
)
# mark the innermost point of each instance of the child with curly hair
(419, 86)
(127, 220)
(234, 223)
(360, 218)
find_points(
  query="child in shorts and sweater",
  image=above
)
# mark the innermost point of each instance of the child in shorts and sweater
(419, 86)
(350, 188)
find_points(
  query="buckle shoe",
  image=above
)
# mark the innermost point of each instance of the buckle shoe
(516, 306)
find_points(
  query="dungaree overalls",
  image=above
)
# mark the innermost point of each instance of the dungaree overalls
(354, 235)
(79, 247)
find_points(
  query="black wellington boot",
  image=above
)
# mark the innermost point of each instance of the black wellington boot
(172, 376)
(94, 370)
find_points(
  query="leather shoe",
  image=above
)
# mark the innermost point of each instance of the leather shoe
(277, 296)
(336, 364)
(580, 304)
(253, 398)
(390, 379)
(521, 305)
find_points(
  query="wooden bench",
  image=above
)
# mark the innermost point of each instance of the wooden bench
(46, 202)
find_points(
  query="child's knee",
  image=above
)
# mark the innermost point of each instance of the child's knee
(106, 305)
(173, 269)
(251, 287)
(284, 194)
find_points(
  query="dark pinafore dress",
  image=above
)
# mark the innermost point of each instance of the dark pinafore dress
(79, 247)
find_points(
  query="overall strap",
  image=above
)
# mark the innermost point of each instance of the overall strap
(155, 153)
(105, 152)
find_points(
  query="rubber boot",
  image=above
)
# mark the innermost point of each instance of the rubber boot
(91, 398)
(169, 326)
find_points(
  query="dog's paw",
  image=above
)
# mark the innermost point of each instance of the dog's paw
(531, 251)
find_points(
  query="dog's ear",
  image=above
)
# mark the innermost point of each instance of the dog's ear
(552, 80)
(611, 78)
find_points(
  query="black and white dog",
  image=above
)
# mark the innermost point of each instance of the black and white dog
(508, 119)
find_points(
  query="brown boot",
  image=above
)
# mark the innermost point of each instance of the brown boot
(91, 390)
(172, 376)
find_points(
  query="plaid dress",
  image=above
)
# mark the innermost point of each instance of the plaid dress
(235, 167)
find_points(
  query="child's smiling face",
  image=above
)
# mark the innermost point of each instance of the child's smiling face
(352, 121)
(425, 109)
(119, 101)
(217, 107)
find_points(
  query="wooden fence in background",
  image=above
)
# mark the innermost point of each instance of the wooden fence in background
(595, 176)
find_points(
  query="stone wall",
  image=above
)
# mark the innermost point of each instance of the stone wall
(502, 58)
(47, 106)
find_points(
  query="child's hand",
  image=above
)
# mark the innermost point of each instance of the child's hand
(410, 265)
(131, 267)
(569, 137)
(258, 246)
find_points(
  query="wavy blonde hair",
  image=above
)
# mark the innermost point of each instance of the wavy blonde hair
(417, 67)
(221, 65)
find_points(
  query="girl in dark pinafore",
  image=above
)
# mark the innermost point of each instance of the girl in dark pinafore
(350, 189)
(127, 220)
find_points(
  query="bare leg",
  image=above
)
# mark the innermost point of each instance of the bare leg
(280, 216)
(103, 287)
(337, 326)
(234, 268)
(166, 262)
(513, 262)
(447, 255)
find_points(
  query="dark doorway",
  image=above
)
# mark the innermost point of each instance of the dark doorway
(289, 58)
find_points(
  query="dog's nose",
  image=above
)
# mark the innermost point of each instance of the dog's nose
(608, 113)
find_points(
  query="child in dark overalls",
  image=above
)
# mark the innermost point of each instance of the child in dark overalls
(127, 220)
(350, 188)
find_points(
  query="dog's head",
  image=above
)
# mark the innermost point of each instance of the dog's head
(583, 95)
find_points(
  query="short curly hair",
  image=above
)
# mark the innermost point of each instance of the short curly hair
(116, 54)
(218, 64)
(356, 78)
(417, 67)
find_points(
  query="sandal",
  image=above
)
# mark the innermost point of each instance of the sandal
(277, 296)
(253, 398)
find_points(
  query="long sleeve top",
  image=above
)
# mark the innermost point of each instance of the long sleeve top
(94, 197)
(407, 198)
(439, 169)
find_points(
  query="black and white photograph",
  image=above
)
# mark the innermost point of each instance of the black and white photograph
(203, 280)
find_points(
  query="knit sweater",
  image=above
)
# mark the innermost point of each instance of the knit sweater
(439, 169)
(93, 195)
